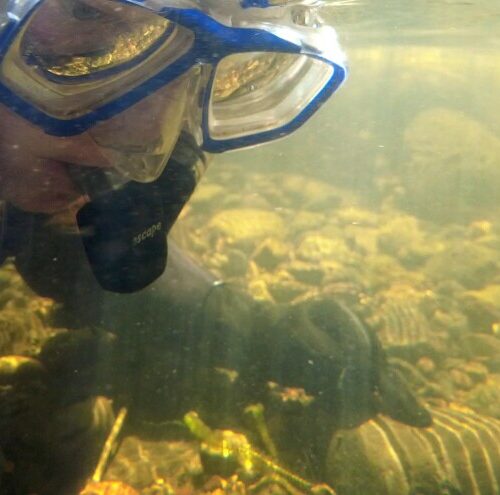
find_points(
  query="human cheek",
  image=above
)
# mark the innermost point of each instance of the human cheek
(35, 184)
(32, 183)
(18, 136)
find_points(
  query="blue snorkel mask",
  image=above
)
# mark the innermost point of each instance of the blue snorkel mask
(67, 65)
(235, 74)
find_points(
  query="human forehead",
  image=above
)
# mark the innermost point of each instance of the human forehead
(85, 17)
(92, 10)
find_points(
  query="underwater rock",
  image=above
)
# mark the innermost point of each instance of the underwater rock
(228, 264)
(270, 253)
(21, 332)
(108, 488)
(339, 274)
(306, 273)
(14, 293)
(478, 372)
(19, 369)
(489, 294)
(207, 195)
(399, 318)
(259, 290)
(353, 215)
(452, 320)
(303, 220)
(403, 238)
(458, 454)
(380, 270)
(478, 229)
(480, 345)
(363, 240)
(12, 298)
(460, 379)
(492, 363)
(452, 171)
(424, 385)
(24, 400)
(465, 262)
(485, 397)
(237, 200)
(140, 463)
(311, 194)
(277, 286)
(5, 278)
(426, 365)
(283, 287)
(246, 225)
(483, 307)
(316, 248)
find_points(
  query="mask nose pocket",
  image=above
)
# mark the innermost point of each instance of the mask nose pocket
(139, 142)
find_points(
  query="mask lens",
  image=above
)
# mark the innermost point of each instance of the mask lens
(74, 55)
(140, 148)
(102, 38)
(259, 92)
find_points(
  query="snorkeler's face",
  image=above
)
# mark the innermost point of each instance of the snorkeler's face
(136, 142)
(34, 166)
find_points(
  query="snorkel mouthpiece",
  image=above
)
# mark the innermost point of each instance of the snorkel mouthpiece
(124, 227)
(123, 233)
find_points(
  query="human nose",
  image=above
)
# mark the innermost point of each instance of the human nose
(139, 141)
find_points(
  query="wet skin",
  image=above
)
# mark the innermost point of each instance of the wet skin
(34, 165)
(33, 170)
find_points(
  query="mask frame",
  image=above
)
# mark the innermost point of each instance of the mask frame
(219, 32)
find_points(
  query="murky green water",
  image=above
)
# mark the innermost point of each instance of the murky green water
(379, 220)
(404, 58)
(390, 203)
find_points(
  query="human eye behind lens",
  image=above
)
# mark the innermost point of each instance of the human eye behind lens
(112, 10)
(84, 12)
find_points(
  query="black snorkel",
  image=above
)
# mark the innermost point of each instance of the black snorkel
(124, 229)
